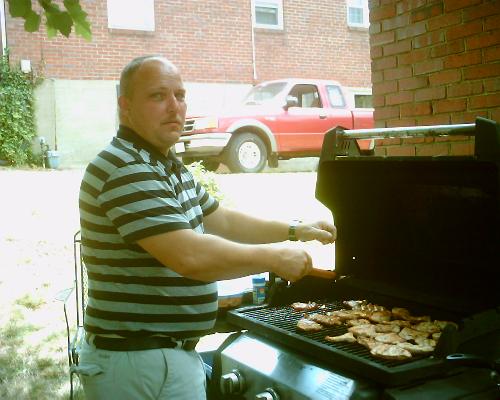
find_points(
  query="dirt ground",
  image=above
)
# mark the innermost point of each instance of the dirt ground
(38, 217)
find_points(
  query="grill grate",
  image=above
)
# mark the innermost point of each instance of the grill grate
(286, 318)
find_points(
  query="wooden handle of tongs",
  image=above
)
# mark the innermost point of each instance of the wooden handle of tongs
(322, 273)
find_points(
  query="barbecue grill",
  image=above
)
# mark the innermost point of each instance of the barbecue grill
(416, 232)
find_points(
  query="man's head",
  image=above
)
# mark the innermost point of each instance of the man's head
(151, 100)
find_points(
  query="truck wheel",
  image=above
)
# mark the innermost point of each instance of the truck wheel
(246, 152)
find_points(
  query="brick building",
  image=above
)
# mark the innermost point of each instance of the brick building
(434, 62)
(221, 48)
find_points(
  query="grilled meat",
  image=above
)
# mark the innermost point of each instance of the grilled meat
(416, 348)
(398, 322)
(380, 316)
(367, 342)
(425, 342)
(436, 336)
(389, 338)
(356, 322)
(307, 325)
(310, 306)
(328, 320)
(429, 327)
(400, 313)
(363, 330)
(412, 334)
(346, 337)
(355, 304)
(387, 328)
(390, 352)
(345, 315)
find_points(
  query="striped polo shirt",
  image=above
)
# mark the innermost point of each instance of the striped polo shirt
(131, 191)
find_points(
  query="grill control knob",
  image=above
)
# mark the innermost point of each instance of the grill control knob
(232, 383)
(268, 394)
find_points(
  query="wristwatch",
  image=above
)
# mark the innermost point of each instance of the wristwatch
(291, 230)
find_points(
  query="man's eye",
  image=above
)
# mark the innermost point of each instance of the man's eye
(180, 96)
(158, 96)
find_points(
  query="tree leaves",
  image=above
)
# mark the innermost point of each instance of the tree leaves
(56, 20)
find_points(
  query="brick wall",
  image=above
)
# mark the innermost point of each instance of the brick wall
(211, 42)
(435, 62)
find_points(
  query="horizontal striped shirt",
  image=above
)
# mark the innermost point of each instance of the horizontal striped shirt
(131, 191)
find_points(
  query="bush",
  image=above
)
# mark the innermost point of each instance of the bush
(17, 122)
(206, 179)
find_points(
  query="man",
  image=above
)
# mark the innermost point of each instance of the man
(155, 242)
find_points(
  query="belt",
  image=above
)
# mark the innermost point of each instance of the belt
(143, 343)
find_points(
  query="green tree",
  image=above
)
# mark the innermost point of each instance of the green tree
(55, 18)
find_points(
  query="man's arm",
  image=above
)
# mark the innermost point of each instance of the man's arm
(243, 228)
(207, 257)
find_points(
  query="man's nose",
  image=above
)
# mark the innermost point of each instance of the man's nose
(172, 103)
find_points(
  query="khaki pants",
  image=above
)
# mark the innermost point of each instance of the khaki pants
(159, 374)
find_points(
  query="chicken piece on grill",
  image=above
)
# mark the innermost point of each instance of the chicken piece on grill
(356, 322)
(355, 304)
(425, 342)
(436, 336)
(328, 320)
(372, 307)
(306, 325)
(442, 324)
(416, 348)
(412, 334)
(420, 318)
(398, 322)
(367, 342)
(389, 338)
(346, 337)
(429, 327)
(310, 306)
(390, 352)
(344, 315)
(380, 316)
(400, 313)
(387, 328)
(363, 330)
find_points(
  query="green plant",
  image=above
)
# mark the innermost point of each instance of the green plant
(56, 20)
(17, 123)
(206, 179)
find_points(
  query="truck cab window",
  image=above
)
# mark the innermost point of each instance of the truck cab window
(307, 95)
(335, 96)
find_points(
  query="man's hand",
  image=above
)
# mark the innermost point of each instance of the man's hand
(322, 231)
(292, 264)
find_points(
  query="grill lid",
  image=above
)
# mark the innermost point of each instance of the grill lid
(428, 226)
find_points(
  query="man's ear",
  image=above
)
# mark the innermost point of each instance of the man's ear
(123, 104)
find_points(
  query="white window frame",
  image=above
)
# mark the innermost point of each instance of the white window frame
(364, 7)
(131, 15)
(276, 4)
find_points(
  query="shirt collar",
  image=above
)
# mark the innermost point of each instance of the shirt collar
(170, 161)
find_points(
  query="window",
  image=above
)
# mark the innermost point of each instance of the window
(268, 14)
(306, 95)
(357, 13)
(335, 96)
(131, 14)
(363, 101)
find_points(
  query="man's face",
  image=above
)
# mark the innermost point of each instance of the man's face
(155, 107)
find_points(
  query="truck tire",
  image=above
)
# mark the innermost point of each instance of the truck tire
(246, 152)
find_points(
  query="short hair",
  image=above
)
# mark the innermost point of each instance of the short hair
(131, 68)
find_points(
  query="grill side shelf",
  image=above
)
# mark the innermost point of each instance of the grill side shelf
(278, 324)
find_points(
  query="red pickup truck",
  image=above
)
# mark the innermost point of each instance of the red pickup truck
(277, 120)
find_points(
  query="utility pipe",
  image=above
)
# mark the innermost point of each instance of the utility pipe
(3, 31)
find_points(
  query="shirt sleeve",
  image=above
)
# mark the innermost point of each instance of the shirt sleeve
(140, 203)
(208, 203)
